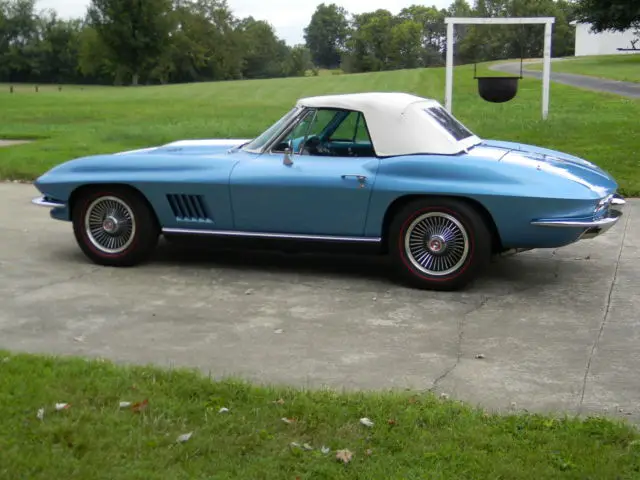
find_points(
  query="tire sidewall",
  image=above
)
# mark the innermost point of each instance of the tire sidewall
(143, 236)
(479, 244)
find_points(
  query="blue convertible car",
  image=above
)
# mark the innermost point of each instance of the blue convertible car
(391, 170)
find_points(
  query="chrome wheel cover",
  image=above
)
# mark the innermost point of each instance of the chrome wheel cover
(110, 224)
(436, 243)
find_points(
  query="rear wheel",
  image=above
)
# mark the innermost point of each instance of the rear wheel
(114, 226)
(439, 243)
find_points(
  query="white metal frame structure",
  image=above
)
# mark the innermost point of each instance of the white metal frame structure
(546, 71)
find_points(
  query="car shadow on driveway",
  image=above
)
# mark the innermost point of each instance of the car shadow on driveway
(504, 274)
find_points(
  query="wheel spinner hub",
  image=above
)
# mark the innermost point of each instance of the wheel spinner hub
(111, 225)
(437, 244)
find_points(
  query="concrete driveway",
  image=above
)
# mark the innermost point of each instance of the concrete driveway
(559, 330)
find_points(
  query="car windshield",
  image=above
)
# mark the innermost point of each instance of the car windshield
(258, 142)
(449, 123)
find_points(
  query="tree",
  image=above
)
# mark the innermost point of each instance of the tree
(136, 32)
(614, 15)
(299, 61)
(265, 56)
(326, 34)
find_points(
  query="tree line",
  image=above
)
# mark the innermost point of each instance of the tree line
(416, 36)
(151, 41)
(174, 41)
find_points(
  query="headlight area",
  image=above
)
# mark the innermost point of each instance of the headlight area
(605, 206)
(606, 214)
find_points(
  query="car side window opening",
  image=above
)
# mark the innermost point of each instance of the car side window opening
(329, 132)
(352, 129)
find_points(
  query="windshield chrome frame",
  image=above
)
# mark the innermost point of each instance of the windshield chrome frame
(278, 133)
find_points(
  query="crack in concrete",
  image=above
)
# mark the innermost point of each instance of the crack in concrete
(605, 317)
(461, 325)
(56, 282)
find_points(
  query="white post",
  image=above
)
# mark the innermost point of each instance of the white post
(448, 96)
(546, 74)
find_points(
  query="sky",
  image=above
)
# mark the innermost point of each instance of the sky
(288, 17)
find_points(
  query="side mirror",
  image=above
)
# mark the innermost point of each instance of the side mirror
(287, 157)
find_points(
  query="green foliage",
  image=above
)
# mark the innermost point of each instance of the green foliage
(134, 33)
(155, 41)
(616, 15)
(326, 34)
(181, 41)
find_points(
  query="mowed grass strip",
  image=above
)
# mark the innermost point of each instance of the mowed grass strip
(624, 68)
(80, 121)
(414, 436)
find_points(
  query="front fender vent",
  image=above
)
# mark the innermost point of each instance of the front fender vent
(189, 208)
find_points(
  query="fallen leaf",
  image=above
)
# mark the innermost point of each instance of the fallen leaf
(184, 437)
(344, 456)
(139, 406)
(366, 422)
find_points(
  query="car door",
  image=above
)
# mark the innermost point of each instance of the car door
(315, 190)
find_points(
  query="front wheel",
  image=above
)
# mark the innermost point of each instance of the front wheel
(114, 227)
(439, 243)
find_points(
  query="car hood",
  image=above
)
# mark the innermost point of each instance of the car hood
(191, 147)
(551, 161)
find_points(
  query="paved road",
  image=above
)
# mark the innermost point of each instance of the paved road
(626, 89)
(559, 329)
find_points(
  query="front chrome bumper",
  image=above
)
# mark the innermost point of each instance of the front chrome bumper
(45, 202)
(611, 209)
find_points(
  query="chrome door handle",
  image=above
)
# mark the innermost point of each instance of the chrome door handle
(361, 178)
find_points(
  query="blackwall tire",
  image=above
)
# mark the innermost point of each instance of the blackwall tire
(439, 243)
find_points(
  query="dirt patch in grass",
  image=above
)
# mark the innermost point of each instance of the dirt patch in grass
(10, 143)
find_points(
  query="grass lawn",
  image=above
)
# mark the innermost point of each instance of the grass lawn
(414, 436)
(77, 122)
(625, 68)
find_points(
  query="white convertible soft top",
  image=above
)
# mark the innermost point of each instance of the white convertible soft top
(401, 123)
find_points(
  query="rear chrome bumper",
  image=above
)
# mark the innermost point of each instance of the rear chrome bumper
(45, 202)
(612, 206)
